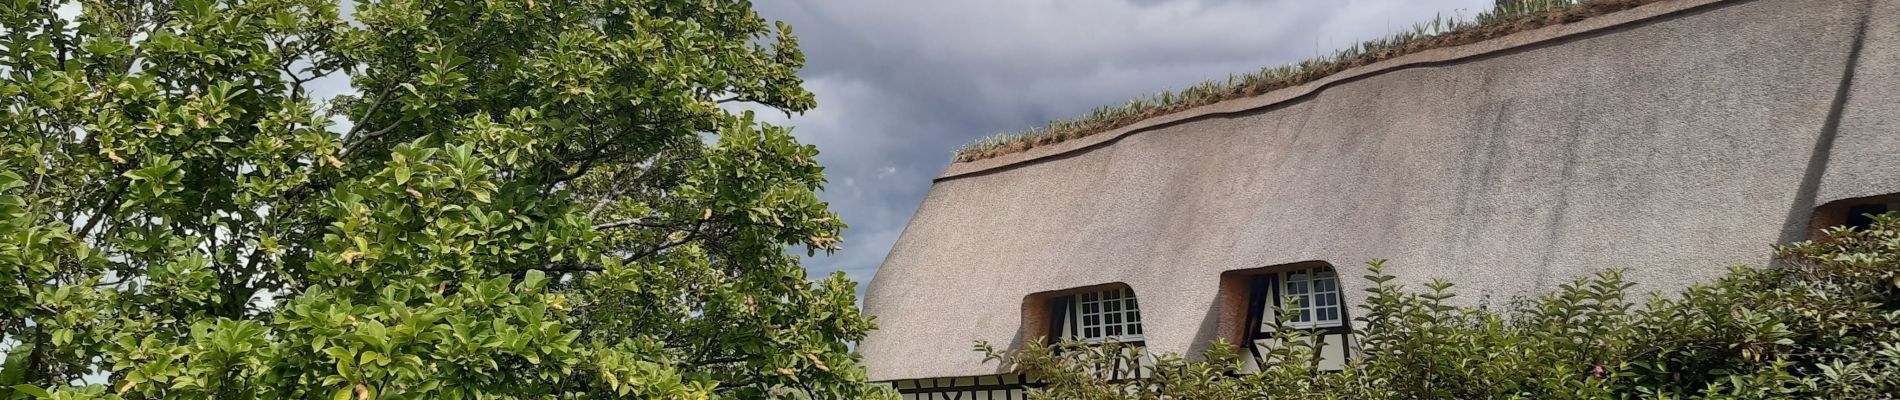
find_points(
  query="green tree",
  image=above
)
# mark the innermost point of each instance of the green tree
(535, 198)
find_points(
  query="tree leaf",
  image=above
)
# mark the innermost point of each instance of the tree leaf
(31, 390)
(13, 371)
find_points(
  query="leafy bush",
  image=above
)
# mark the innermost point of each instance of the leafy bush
(1824, 324)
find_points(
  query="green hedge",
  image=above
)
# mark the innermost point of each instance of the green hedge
(1825, 323)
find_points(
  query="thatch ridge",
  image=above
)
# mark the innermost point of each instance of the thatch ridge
(1507, 17)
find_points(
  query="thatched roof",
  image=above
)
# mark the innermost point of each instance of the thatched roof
(1505, 18)
(1675, 139)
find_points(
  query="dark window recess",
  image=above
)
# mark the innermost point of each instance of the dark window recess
(1099, 316)
(1059, 316)
(1857, 215)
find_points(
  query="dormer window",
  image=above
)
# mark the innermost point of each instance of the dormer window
(1853, 213)
(1099, 316)
(1860, 215)
(1310, 297)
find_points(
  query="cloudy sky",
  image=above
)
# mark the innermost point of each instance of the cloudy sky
(902, 83)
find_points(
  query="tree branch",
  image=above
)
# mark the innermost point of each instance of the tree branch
(571, 267)
(657, 250)
(608, 199)
(642, 222)
(351, 146)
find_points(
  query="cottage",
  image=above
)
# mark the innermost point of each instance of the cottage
(1675, 139)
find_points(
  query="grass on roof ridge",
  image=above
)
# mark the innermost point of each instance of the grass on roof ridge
(1507, 17)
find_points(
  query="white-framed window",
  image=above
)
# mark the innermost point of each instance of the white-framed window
(1310, 297)
(1106, 315)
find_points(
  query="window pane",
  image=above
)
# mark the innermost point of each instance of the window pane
(1108, 314)
(1309, 298)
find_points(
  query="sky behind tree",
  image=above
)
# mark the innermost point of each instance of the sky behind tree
(902, 84)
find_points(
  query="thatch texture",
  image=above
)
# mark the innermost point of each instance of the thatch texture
(1508, 17)
(1675, 139)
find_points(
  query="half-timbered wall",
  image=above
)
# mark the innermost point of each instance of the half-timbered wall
(992, 387)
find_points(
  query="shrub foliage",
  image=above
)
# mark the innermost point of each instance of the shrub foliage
(1823, 324)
